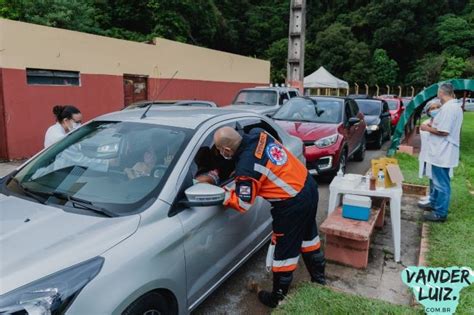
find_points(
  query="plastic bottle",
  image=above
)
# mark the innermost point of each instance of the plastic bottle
(340, 173)
(380, 178)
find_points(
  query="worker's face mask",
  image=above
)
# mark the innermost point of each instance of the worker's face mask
(76, 125)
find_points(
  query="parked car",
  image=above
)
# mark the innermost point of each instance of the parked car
(396, 108)
(406, 100)
(332, 129)
(262, 100)
(191, 103)
(80, 237)
(378, 120)
(468, 105)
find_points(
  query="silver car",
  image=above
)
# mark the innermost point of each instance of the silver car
(262, 100)
(109, 220)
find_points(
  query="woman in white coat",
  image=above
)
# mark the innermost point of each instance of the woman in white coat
(67, 118)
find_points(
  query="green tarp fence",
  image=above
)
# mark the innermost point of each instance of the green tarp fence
(420, 100)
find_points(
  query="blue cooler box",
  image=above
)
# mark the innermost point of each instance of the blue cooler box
(356, 207)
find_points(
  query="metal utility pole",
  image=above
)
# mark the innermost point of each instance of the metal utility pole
(296, 39)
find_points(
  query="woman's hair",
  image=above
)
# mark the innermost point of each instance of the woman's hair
(64, 112)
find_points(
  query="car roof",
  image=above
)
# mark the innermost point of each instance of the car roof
(177, 116)
(166, 102)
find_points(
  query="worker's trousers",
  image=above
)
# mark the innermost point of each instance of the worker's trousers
(294, 228)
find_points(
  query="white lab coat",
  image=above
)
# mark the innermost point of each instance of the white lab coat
(54, 133)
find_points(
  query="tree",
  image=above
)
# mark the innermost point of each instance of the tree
(426, 70)
(277, 55)
(455, 35)
(340, 53)
(68, 14)
(453, 68)
(385, 69)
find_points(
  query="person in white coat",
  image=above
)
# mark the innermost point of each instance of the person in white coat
(443, 151)
(67, 119)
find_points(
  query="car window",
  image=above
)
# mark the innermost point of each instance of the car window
(256, 97)
(292, 94)
(118, 166)
(246, 125)
(283, 97)
(354, 107)
(392, 104)
(369, 107)
(348, 110)
(304, 109)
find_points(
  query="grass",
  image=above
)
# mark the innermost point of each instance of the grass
(409, 166)
(314, 299)
(450, 244)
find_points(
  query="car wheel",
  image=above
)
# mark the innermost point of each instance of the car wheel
(153, 303)
(360, 154)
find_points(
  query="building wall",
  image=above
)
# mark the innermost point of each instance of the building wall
(102, 62)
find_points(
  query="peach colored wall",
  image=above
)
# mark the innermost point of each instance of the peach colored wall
(24, 45)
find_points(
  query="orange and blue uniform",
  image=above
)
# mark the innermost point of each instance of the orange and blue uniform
(265, 168)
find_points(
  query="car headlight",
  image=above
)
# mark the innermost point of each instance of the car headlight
(326, 141)
(373, 127)
(51, 294)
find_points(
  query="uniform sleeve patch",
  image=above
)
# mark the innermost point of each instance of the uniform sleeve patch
(261, 145)
(276, 154)
(244, 191)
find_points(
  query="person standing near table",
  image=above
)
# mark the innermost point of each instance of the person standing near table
(443, 151)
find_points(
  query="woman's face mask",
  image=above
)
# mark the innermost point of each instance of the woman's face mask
(434, 112)
(76, 125)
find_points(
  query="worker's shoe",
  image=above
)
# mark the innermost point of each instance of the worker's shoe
(315, 263)
(281, 285)
(433, 217)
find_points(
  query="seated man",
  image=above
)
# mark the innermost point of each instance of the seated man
(143, 168)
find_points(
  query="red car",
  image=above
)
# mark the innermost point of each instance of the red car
(332, 130)
(395, 105)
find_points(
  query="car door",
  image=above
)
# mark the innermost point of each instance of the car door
(216, 238)
(385, 119)
(359, 128)
(348, 129)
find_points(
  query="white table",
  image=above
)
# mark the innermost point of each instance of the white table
(345, 185)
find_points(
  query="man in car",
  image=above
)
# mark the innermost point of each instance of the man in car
(263, 167)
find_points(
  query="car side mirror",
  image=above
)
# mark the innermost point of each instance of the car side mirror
(203, 195)
(353, 121)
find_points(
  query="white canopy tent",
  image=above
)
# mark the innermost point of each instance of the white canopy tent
(323, 79)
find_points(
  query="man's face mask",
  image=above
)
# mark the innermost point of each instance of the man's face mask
(225, 153)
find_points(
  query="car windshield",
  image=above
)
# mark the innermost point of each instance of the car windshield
(319, 111)
(117, 166)
(369, 107)
(256, 97)
(392, 104)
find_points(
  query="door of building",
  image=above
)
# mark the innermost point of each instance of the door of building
(135, 88)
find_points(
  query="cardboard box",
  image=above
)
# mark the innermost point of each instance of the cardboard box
(392, 173)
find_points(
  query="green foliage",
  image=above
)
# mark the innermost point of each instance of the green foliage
(453, 68)
(456, 35)
(385, 68)
(277, 54)
(364, 41)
